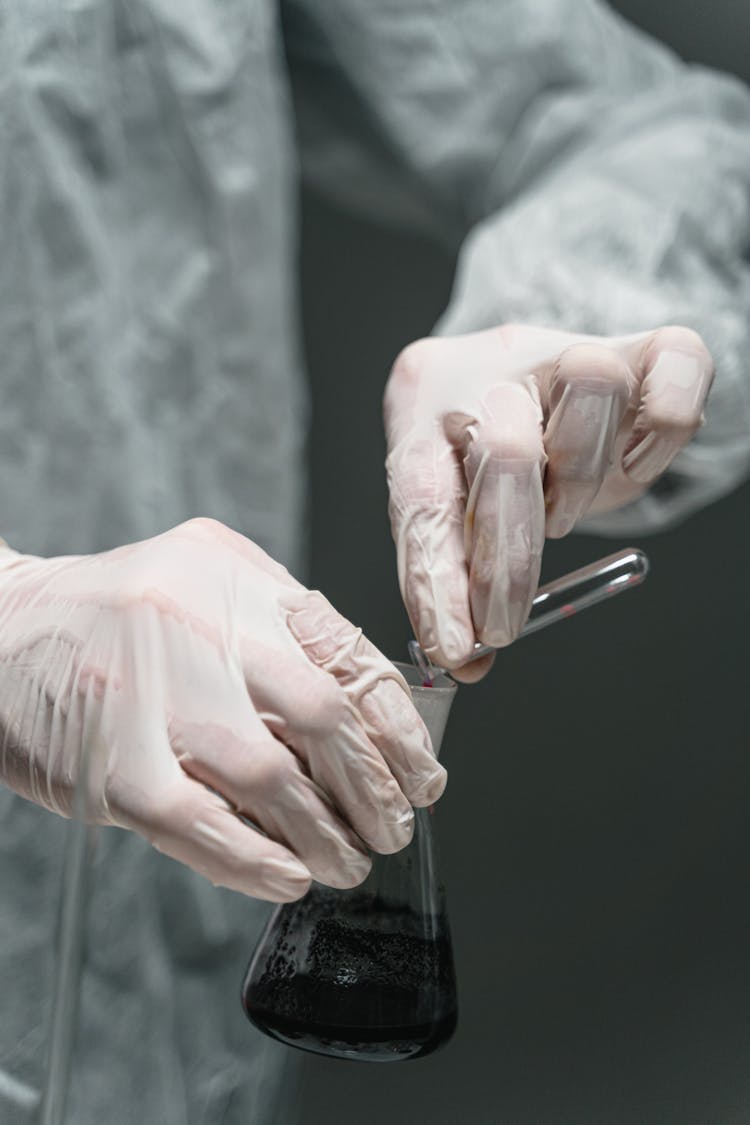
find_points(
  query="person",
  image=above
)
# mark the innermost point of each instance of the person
(153, 396)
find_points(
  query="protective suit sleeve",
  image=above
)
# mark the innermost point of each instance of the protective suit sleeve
(592, 180)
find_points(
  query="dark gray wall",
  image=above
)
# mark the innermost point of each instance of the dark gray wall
(595, 836)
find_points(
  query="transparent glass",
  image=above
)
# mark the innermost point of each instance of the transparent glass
(365, 974)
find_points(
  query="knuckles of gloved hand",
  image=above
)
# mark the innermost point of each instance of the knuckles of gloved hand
(165, 667)
(502, 436)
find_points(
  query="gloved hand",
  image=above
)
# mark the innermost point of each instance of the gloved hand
(501, 436)
(203, 682)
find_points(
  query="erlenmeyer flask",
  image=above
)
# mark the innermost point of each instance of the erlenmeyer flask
(365, 974)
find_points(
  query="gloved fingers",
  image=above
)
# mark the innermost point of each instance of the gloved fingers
(676, 371)
(504, 463)
(475, 671)
(262, 779)
(308, 710)
(393, 725)
(427, 504)
(588, 395)
(195, 826)
(384, 707)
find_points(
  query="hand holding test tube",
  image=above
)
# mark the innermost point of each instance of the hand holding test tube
(561, 599)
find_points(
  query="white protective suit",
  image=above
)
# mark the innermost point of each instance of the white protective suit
(151, 371)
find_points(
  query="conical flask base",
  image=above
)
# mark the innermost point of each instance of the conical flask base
(365, 974)
(374, 983)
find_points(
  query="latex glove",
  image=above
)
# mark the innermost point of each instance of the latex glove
(500, 437)
(205, 682)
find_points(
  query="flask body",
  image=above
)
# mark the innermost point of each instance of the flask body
(368, 973)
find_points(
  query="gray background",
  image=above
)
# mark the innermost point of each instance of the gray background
(595, 838)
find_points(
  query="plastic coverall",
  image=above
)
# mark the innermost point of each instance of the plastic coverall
(151, 371)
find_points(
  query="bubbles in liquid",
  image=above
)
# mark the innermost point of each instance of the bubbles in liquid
(374, 982)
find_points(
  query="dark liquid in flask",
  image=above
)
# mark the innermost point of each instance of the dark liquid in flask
(374, 991)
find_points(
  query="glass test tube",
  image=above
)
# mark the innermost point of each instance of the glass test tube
(563, 598)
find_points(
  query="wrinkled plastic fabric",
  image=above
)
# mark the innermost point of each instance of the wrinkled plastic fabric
(594, 182)
(150, 367)
(160, 1035)
(147, 310)
(150, 373)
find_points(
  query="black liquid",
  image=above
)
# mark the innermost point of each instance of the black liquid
(376, 985)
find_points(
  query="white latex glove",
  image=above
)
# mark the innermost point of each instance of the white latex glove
(498, 437)
(190, 661)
